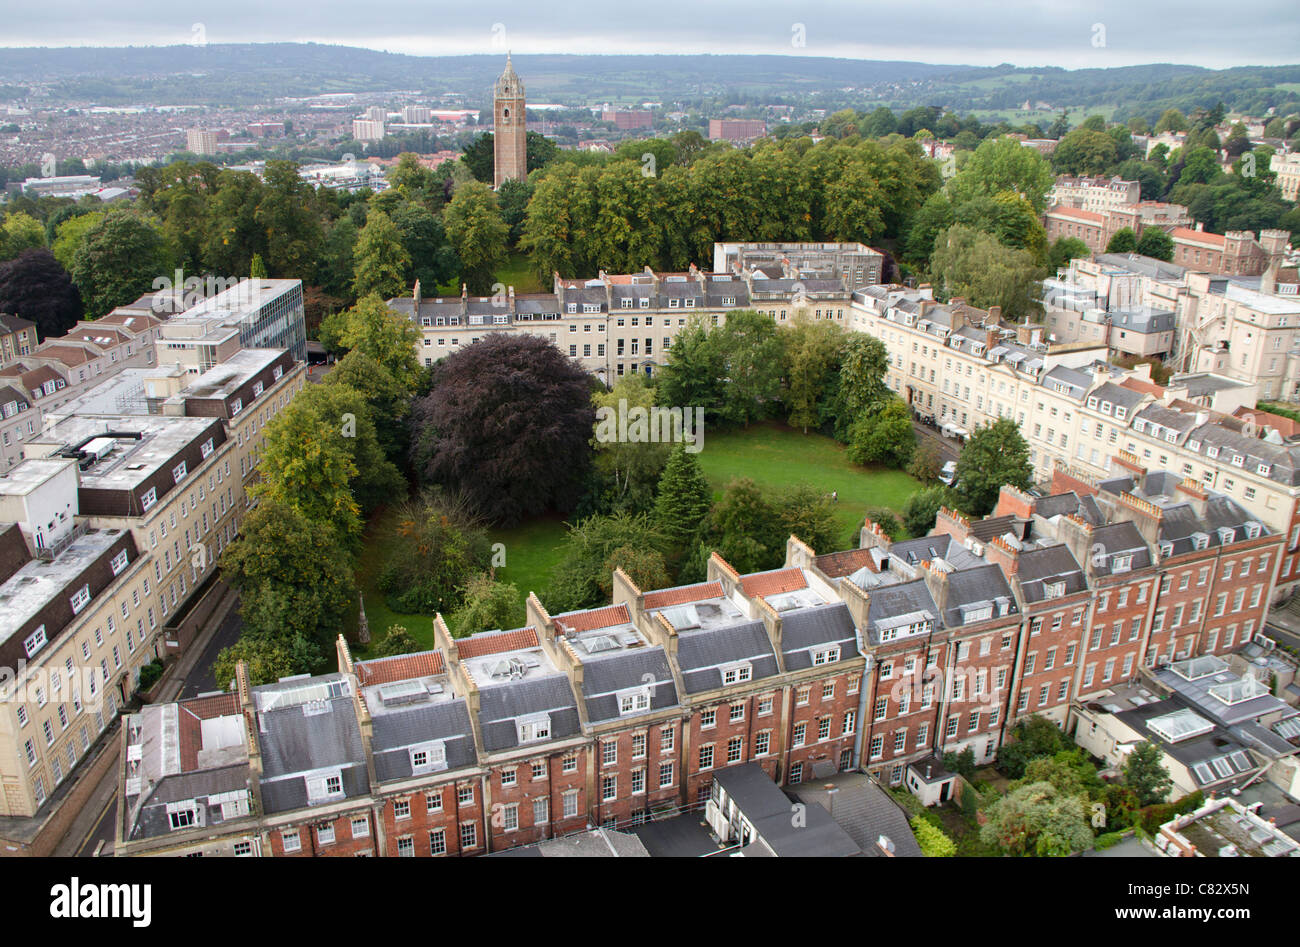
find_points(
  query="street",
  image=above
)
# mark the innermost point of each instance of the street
(200, 679)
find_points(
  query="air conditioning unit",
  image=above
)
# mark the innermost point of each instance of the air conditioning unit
(1264, 641)
(717, 821)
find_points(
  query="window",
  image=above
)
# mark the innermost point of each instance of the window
(35, 641)
(570, 800)
(468, 835)
(291, 839)
(800, 734)
(510, 816)
(850, 721)
(708, 718)
(762, 743)
(402, 809)
(406, 847)
(325, 834)
(665, 774)
(667, 739)
(465, 795)
(438, 842)
(569, 764)
(361, 828)
(80, 599)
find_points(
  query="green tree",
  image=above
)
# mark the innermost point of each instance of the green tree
(746, 528)
(257, 269)
(1064, 250)
(1037, 819)
(1033, 737)
(808, 513)
(683, 501)
(294, 581)
(396, 640)
(1085, 151)
(996, 455)
(813, 357)
(265, 659)
(1003, 164)
(923, 506)
(1171, 120)
(977, 267)
(884, 437)
(629, 469)
(379, 260)
(1155, 243)
(1145, 774)
(288, 217)
(20, 232)
(438, 548)
(71, 234)
(388, 399)
(118, 261)
(1123, 241)
(477, 233)
(486, 605)
(581, 579)
(375, 330)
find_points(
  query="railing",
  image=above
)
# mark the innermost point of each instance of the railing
(49, 553)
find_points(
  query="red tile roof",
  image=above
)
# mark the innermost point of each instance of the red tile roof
(837, 564)
(1091, 217)
(478, 645)
(1146, 387)
(680, 596)
(401, 667)
(1284, 426)
(594, 618)
(762, 584)
(1197, 236)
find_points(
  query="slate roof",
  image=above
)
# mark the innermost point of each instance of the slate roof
(1039, 567)
(806, 629)
(768, 809)
(396, 731)
(905, 598)
(974, 587)
(1120, 538)
(604, 677)
(700, 652)
(500, 706)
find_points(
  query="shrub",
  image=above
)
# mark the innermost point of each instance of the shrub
(933, 841)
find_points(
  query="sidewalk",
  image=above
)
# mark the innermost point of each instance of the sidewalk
(175, 676)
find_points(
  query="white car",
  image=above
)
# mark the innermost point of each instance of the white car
(949, 472)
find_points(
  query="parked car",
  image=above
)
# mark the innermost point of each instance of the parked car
(949, 473)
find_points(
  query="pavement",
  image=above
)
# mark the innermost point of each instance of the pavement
(189, 676)
(948, 448)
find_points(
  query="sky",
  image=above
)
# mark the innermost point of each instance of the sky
(1068, 33)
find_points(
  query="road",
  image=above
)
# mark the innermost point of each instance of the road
(1281, 635)
(103, 831)
(200, 679)
(948, 449)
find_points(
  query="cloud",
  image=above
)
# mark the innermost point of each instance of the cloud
(978, 32)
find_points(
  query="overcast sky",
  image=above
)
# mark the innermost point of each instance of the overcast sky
(1069, 33)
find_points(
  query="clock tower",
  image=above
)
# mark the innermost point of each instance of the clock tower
(509, 134)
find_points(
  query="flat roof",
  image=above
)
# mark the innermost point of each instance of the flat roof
(36, 583)
(132, 462)
(29, 474)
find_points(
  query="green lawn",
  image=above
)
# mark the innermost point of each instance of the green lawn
(516, 272)
(377, 542)
(532, 551)
(775, 455)
(772, 455)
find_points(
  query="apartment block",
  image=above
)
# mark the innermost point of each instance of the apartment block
(617, 324)
(17, 338)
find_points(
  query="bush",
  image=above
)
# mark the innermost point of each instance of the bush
(933, 841)
(150, 673)
(1108, 840)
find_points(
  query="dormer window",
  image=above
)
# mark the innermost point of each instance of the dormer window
(1212, 452)
(119, 562)
(625, 302)
(257, 388)
(1253, 530)
(325, 787)
(428, 757)
(1053, 590)
(35, 641)
(1200, 541)
(737, 673)
(1121, 563)
(534, 727)
(80, 599)
(1166, 549)
(149, 499)
(634, 701)
(1194, 444)
(1264, 470)
(645, 302)
(1238, 460)
(179, 472)
(826, 655)
(183, 815)
(206, 448)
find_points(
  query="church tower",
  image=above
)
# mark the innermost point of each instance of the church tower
(509, 133)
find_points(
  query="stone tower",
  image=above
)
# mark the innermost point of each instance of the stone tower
(510, 135)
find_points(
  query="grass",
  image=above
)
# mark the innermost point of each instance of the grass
(532, 552)
(775, 455)
(377, 543)
(516, 272)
